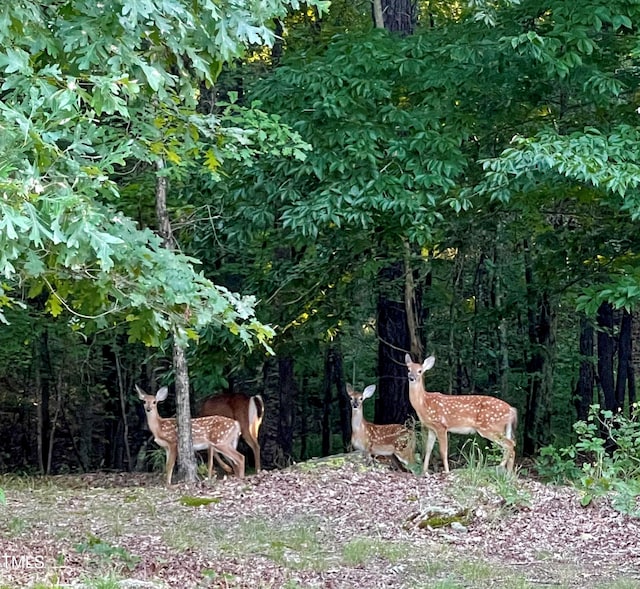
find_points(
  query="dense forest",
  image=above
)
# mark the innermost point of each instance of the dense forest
(281, 199)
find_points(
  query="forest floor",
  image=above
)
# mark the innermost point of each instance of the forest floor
(333, 523)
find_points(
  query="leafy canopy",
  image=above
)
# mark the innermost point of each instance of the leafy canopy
(88, 92)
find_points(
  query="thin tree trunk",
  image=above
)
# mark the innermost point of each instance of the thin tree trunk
(503, 329)
(378, 20)
(542, 325)
(123, 407)
(269, 446)
(327, 396)
(606, 351)
(287, 403)
(43, 380)
(454, 360)
(304, 419)
(343, 404)
(52, 430)
(412, 306)
(187, 468)
(624, 360)
(586, 380)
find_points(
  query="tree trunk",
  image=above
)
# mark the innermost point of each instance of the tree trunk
(606, 351)
(625, 368)
(343, 403)
(122, 388)
(43, 379)
(269, 430)
(327, 386)
(541, 326)
(399, 15)
(503, 326)
(187, 467)
(305, 408)
(333, 376)
(392, 403)
(287, 406)
(586, 380)
(378, 18)
(398, 306)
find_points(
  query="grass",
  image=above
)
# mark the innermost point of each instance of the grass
(360, 551)
(295, 544)
(104, 530)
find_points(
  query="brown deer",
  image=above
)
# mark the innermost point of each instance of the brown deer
(247, 411)
(216, 434)
(460, 414)
(393, 440)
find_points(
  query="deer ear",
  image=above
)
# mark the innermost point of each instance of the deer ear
(140, 392)
(162, 393)
(349, 389)
(407, 359)
(369, 391)
(428, 363)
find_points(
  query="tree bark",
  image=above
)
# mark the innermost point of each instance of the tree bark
(378, 19)
(269, 447)
(343, 403)
(122, 388)
(541, 326)
(327, 386)
(43, 379)
(333, 377)
(187, 468)
(606, 351)
(625, 368)
(287, 406)
(392, 403)
(399, 16)
(586, 380)
(503, 326)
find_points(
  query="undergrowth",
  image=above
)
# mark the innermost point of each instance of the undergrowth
(603, 462)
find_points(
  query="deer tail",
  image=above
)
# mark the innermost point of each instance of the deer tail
(512, 424)
(256, 414)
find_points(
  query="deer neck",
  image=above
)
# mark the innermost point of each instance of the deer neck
(417, 393)
(154, 420)
(357, 419)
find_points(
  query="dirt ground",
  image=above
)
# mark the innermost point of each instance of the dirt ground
(333, 523)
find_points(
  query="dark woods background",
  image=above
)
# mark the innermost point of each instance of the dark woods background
(67, 404)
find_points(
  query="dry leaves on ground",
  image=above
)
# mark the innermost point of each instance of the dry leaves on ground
(322, 524)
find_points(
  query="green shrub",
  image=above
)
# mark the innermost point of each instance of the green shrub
(604, 461)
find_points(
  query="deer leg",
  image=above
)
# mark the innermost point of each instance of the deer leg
(223, 465)
(255, 447)
(213, 454)
(507, 445)
(431, 440)
(236, 459)
(443, 445)
(509, 457)
(171, 460)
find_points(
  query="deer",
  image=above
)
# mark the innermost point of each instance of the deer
(247, 411)
(394, 440)
(440, 414)
(216, 434)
